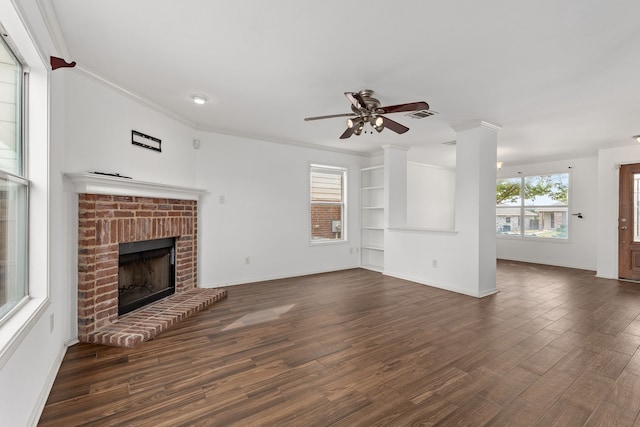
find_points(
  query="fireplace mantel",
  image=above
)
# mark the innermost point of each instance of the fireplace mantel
(91, 183)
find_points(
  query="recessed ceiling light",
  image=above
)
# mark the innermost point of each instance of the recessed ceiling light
(199, 99)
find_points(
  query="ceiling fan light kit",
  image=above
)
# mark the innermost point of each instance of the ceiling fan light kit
(366, 109)
(377, 122)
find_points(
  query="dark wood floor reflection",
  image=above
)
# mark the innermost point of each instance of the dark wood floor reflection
(355, 348)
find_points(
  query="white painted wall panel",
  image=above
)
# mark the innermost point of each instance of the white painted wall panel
(265, 214)
(99, 125)
(430, 196)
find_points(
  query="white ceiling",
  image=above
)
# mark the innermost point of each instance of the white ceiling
(560, 77)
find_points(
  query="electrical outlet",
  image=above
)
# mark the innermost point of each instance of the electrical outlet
(247, 260)
(222, 200)
(351, 250)
(434, 263)
(51, 323)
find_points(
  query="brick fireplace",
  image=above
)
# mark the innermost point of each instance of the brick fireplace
(107, 220)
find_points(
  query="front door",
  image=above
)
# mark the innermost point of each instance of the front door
(629, 223)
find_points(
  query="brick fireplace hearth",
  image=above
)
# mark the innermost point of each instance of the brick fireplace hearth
(105, 221)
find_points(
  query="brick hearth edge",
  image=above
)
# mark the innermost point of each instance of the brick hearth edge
(141, 325)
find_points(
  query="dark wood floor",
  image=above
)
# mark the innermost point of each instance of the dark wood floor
(355, 348)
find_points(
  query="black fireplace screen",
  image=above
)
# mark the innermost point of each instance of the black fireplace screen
(146, 273)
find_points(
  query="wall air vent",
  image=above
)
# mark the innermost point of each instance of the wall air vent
(421, 114)
(449, 143)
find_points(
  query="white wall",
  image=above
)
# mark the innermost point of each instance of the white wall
(430, 196)
(265, 215)
(462, 260)
(98, 135)
(609, 161)
(580, 250)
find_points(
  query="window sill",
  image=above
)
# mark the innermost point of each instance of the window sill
(423, 230)
(532, 239)
(327, 242)
(17, 327)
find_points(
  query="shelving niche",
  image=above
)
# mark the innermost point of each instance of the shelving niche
(372, 218)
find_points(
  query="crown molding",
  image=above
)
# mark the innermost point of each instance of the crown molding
(477, 124)
(50, 18)
(395, 147)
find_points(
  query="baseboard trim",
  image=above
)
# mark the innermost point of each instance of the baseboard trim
(547, 263)
(440, 286)
(46, 389)
(70, 342)
(277, 277)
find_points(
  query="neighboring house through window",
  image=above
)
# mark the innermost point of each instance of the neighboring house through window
(533, 206)
(327, 199)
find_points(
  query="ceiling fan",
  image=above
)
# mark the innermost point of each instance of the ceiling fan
(366, 109)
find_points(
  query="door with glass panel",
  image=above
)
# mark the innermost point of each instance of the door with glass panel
(629, 223)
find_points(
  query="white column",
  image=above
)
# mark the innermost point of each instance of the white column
(395, 186)
(476, 146)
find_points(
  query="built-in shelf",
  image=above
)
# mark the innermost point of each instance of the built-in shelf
(372, 218)
(91, 183)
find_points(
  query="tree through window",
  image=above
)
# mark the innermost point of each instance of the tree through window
(533, 206)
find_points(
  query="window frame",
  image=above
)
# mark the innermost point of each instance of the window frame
(522, 206)
(36, 130)
(343, 220)
(19, 177)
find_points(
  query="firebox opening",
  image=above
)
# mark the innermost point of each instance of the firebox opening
(146, 273)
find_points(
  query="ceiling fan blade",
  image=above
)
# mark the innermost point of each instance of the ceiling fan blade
(394, 126)
(356, 99)
(412, 106)
(360, 100)
(347, 133)
(331, 116)
(351, 98)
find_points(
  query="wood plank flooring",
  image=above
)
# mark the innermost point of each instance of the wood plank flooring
(355, 348)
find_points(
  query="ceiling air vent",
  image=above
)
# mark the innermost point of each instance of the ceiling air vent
(421, 114)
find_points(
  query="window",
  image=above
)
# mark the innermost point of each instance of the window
(13, 184)
(533, 206)
(327, 211)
